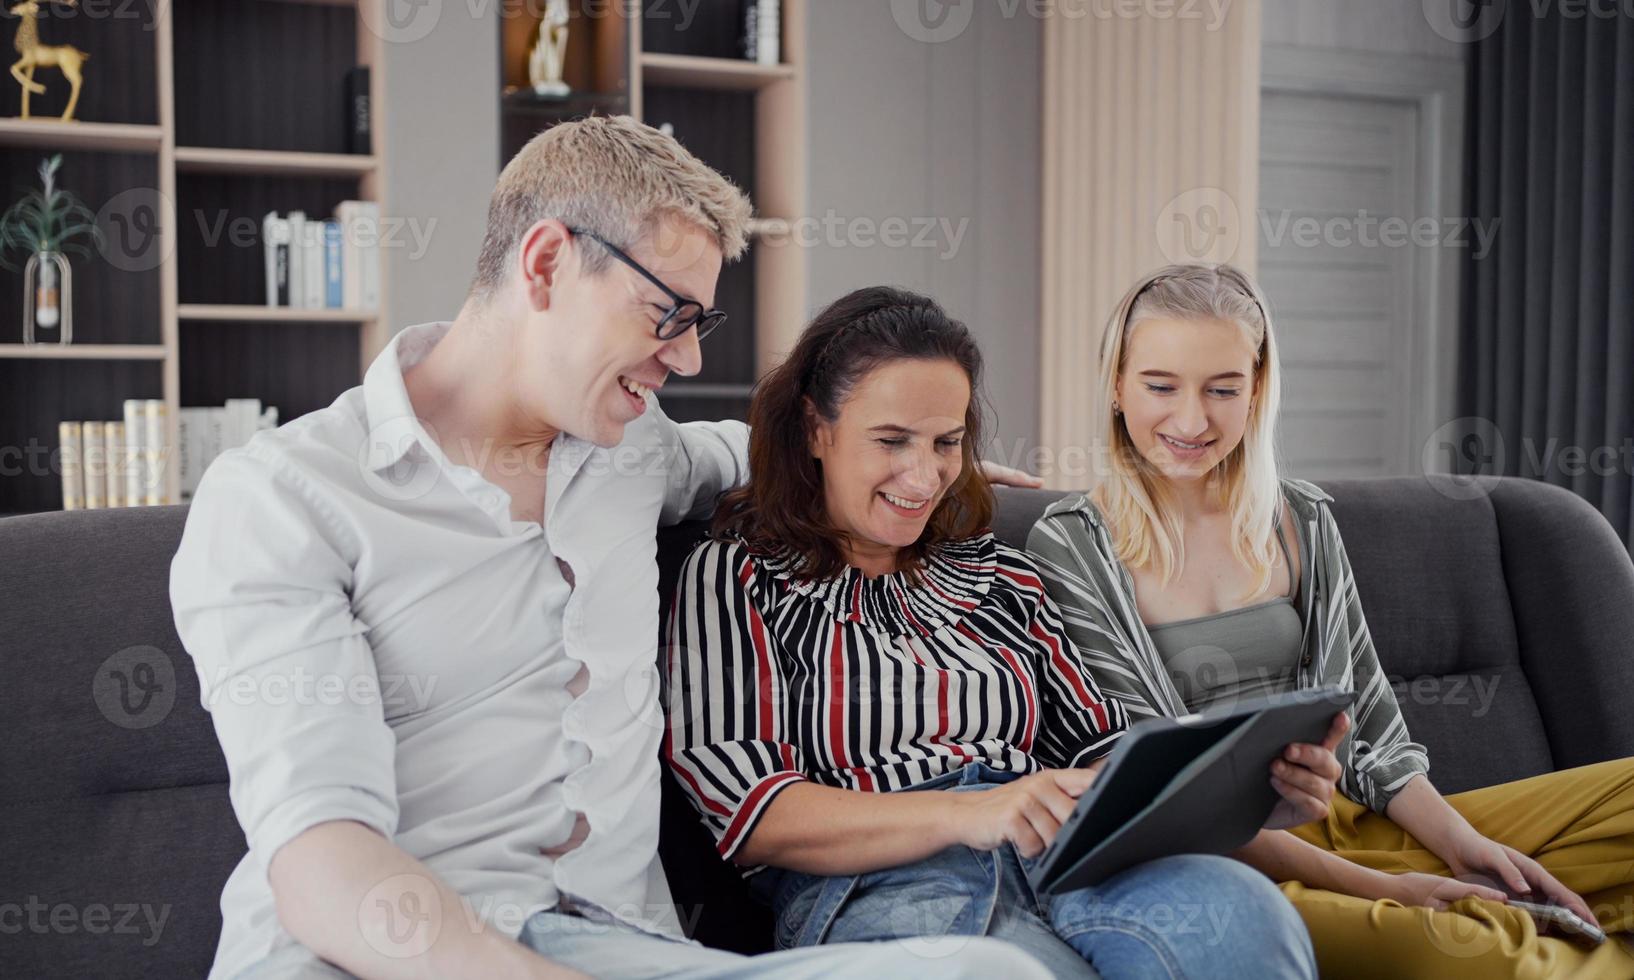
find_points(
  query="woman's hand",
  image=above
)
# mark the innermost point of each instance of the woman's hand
(1027, 812)
(1435, 891)
(1306, 776)
(1477, 856)
(1004, 476)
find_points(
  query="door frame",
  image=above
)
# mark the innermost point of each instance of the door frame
(1436, 87)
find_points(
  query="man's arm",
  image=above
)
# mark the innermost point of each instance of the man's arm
(362, 903)
(705, 460)
(260, 590)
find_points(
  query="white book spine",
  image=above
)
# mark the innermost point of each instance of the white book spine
(153, 453)
(94, 459)
(351, 273)
(370, 231)
(769, 32)
(312, 266)
(71, 465)
(187, 454)
(113, 437)
(297, 259)
(275, 242)
(135, 429)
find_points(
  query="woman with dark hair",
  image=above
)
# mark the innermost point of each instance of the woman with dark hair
(854, 630)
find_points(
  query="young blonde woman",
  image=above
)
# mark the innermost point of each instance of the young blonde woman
(1192, 575)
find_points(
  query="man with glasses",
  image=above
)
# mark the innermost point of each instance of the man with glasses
(425, 618)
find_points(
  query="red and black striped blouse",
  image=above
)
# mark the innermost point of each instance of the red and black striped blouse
(868, 684)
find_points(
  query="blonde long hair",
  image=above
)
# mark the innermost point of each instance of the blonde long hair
(1141, 509)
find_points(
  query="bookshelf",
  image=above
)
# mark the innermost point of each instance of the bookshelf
(192, 116)
(744, 118)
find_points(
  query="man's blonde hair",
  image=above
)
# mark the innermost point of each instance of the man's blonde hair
(613, 177)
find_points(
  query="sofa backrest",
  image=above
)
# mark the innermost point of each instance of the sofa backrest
(119, 835)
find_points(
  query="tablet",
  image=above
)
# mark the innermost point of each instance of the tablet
(1194, 785)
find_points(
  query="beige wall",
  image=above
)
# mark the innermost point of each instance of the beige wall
(941, 130)
(442, 145)
(1151, 136)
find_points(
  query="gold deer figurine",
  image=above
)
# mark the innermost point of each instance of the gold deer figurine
(64, 57)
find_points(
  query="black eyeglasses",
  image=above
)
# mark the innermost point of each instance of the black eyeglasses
(683, 315)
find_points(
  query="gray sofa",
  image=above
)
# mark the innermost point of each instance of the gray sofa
(1506, 617)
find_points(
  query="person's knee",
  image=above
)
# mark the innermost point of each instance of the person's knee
(1242, 909)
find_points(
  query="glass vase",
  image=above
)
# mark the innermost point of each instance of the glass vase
(48, 299)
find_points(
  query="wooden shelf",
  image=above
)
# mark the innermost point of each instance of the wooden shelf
(243, 312)
(686, 71)
(216, 160)
(59, 135)
(83, 352)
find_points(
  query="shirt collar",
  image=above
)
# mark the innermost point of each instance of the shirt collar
(394, 429)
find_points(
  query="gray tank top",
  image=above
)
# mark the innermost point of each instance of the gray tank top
(1236, 655)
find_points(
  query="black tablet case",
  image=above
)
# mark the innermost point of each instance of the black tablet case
(1196, 785)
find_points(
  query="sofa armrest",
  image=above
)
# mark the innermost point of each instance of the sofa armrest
(1571, 586)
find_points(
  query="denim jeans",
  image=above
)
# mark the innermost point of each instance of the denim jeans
(1185, 916)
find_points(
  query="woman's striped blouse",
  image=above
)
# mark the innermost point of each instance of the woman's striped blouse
(868, 684)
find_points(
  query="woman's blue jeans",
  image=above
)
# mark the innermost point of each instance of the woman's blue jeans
(1185, 916)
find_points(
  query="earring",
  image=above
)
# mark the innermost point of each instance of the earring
(1116, 410)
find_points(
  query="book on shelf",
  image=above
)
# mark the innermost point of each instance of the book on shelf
(71, 446)
(275, 237)
(762, 31)
(203, 434)
(331, 264)
(115, 462)
(122, 463)
(297, 259)
(359, 135)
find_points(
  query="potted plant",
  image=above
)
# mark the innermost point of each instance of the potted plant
(45, 225)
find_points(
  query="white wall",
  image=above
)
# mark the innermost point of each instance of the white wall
(944, 132)
(1385, 26)
(442, 145)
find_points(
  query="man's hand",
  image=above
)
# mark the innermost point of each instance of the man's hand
(1004, 476)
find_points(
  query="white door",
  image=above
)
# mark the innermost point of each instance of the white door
(1340, 278)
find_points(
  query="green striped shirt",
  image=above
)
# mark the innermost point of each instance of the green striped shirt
(1096, 595)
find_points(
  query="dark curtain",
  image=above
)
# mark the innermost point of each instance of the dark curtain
(1547, 338)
